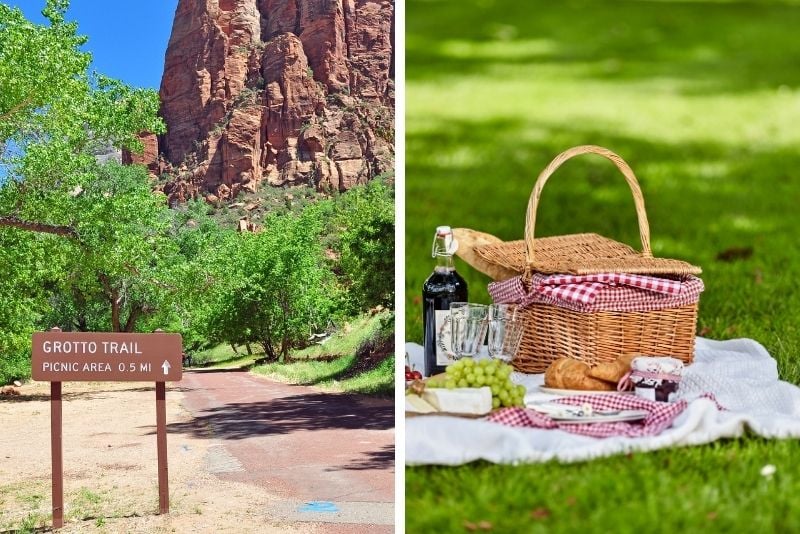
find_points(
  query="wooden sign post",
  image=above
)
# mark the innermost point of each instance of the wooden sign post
(94, 356)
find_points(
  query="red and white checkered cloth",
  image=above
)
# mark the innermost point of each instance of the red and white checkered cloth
(599, 292)
(585, 289)
(660, 416)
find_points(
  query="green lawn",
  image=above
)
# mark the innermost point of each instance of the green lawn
(703, 101)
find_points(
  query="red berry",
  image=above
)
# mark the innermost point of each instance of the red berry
(416, 375)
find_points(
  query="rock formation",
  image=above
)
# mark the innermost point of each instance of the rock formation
(149, 155)
(282, 91)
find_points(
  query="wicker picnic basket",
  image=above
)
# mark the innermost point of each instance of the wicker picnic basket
(553, 332)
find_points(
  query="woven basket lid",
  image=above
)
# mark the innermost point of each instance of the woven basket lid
(582, 253)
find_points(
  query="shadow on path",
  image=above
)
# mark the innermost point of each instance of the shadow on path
(316, 411)
(380, 459)
(67, 395)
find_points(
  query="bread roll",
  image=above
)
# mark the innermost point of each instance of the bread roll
(467, 241)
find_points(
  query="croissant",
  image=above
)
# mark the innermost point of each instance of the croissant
(613, 371)
(566, 373)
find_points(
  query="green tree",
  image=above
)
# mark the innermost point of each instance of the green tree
(53, 112)
(29, 270)
(364, 222)
(123, 256)
(106, 259)
(30, 82)
(199, 239)
(272, 287)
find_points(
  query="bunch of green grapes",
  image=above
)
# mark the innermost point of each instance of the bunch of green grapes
(468, 373)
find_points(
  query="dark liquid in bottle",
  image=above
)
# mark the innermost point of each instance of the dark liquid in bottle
(439, 290)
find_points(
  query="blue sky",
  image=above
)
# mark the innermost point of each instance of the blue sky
(127, 38)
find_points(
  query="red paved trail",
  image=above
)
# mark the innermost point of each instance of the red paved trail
(300, 444)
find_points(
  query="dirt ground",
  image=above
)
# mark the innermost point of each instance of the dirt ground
(110, 476)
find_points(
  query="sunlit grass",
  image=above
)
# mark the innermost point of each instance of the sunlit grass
(346, 339)
(326, 375)
(716, 488)
(337, 363)
(333, 364)
(237, 362)
(309, 372)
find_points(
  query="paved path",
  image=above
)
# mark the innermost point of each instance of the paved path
(330, 457)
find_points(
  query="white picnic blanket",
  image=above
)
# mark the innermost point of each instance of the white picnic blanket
(740, 373)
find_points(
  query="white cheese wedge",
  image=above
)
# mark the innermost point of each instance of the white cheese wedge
(470, 401)
(415, 404)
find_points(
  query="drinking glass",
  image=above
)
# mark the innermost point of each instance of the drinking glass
(509, 312)
(444, 337)
(468, 328)
(505, 327)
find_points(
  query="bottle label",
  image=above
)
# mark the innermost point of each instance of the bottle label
(443, 352)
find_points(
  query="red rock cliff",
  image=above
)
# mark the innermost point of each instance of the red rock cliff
(282, 91)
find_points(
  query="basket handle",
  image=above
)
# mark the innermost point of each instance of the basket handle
(638, 199)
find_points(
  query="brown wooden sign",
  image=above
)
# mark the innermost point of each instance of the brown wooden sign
(100, 357)
(93, 356)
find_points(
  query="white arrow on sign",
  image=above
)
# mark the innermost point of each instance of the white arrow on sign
(166, 367)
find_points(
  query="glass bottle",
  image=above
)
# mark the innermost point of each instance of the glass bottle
(442, 287)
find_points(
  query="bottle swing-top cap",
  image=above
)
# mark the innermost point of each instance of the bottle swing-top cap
(444, 230)
(444, 244)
